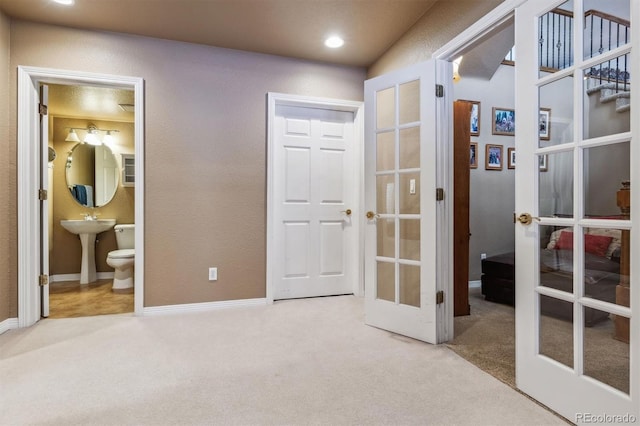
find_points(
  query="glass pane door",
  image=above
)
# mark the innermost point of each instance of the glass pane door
(400, 167)
(398, 211)
(573, 278)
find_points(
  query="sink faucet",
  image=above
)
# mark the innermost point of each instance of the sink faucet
(89, 216)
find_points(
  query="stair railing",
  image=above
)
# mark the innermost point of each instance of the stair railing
(603, 32)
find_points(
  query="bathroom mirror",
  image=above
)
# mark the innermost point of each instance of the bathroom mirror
(92, 174)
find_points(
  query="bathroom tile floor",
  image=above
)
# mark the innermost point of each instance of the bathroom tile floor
(69, 299)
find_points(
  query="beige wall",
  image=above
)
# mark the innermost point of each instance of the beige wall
(205, 150)
(444, 21)
(66, 250)
(8, 201)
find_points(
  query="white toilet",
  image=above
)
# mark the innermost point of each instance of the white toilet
(123, 259)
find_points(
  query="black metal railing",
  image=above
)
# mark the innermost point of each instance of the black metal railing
(603, 32)
(607, 32)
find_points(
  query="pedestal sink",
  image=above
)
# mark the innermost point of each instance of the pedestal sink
(87, 230)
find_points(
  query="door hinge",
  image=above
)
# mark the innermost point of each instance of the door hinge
(42, 109)
(43, 280)
(439, 91)
(42, 194)
(439, 194)
(439, 297)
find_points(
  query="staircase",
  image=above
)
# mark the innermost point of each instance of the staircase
(608, 93)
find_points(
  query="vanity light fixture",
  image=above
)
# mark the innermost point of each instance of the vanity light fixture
(93, 135)
(108, 139)
(72, 136)
(334, 42)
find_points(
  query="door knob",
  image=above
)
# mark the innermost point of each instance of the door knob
(526, 218)
(347, 212)
(371, 215)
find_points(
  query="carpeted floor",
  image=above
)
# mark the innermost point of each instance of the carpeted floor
(486, 338)
(310, 361)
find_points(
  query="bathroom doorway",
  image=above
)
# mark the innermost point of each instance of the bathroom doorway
(34, 218)
(91, 140)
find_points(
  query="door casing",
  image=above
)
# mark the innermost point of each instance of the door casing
(357, 108)
(29, 238)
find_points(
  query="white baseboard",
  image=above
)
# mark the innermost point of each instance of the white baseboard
(475, 284)
(76, 277)
(8, 324)
(202, 307)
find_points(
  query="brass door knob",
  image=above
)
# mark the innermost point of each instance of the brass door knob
(347, 212)
(526, 219)
(371, 215)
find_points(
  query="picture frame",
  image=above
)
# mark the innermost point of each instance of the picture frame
(504, 121)
(474, 121)
(511, 158)
(543, 162)
(493, 157)
(473, 155)
(544, 124)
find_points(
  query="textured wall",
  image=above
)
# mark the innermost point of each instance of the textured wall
(205, 149)
(444, 21)
(8, 200)
(492, 192)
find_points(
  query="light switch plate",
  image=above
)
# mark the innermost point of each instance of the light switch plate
(213, 274)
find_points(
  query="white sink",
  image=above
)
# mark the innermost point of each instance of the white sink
(88, 226)
(87, 230)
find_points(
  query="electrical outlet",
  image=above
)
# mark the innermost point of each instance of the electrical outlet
(483, 256)
(213, 274)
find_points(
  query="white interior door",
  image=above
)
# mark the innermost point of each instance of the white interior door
(315, 235)
(575, 260)
(106, 175)
(401, 282)
(44, 204)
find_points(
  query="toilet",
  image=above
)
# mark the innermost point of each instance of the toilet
(123, 259)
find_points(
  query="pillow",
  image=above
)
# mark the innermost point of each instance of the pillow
(616, 234)
(594, 244)
(555, 235)
(565, 241)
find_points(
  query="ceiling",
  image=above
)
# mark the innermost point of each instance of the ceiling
(293, 28)
(97, 103)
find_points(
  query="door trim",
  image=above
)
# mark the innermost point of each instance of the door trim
(357, 108)
(28, 179)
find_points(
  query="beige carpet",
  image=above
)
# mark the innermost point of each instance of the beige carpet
(298, 362)
(487, 339)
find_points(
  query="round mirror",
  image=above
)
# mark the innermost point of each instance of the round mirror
(92, 174)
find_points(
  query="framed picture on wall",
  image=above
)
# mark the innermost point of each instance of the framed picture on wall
(511, 158)
(543, 163)
(504, 121)
(544, 124)
(473, 155)
(475, 117)
(493, 157)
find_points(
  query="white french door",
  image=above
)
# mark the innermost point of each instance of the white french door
(577, 235)
(401, 175)
(313, 201)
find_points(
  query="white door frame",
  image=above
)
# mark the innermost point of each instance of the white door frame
(29, 79)
(357, 108)
(458, 46)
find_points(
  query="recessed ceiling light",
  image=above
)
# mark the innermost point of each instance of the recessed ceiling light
(65, 2)
(334, 42)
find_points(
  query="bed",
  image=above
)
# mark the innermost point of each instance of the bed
(602, 272)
